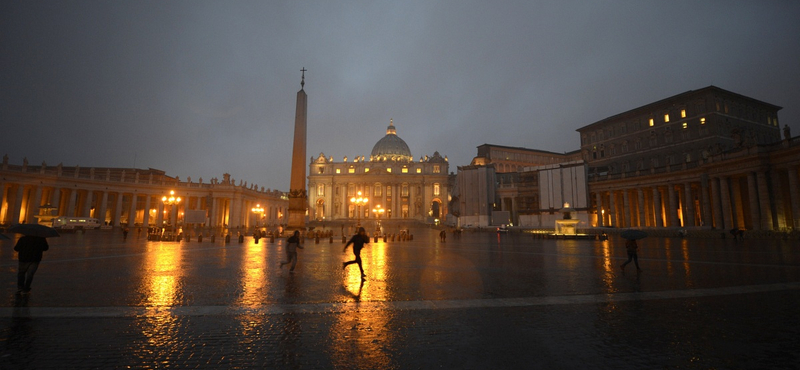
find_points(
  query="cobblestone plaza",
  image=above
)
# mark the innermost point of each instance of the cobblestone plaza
(477, 301)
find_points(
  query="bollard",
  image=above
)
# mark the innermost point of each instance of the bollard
(376, 239)
(227, 238)
(344, 239)
(241, 239)
(316, 240)
(384, 238)
(331, 241)
(213, 237)
(272, 238)
(200, 238)
(188, 238)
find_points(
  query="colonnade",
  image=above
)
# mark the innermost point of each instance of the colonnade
(760, 199)
(30, 196)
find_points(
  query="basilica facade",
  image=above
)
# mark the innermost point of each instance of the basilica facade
(390, 183)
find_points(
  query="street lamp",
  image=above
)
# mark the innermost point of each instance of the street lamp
(258, 210)
(378, 211)
(358, 202)
(171, 201)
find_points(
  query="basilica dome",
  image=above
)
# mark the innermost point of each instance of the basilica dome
(391, 147)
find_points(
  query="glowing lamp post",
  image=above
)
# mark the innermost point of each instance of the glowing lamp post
(259, 211)
(358, 201)
(172, 201)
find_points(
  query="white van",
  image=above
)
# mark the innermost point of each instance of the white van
(74, 223)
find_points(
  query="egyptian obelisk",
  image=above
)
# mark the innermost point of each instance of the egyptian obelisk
(297, 188)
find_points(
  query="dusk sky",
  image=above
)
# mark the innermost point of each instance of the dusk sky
(202, 88)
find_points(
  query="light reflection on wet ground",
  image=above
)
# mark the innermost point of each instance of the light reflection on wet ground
(219, 305)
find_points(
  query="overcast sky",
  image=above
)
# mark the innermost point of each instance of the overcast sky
(202, 88)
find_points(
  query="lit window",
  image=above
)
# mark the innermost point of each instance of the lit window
(404, 170)
(651, 122)
(419, 170)
(685, 125)
(703, 121)
(389, 169)
(388, 191)
(683, 113)
(351, 170)
(320, 190)
(666, 118)
(404, 190)
(338, 170)
(435, 189)
(377, 191)
(436, 168)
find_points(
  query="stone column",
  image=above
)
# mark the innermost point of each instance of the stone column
(612, 210)
(213, 219)
(37, 201)
(673, 206)
(794, 194)
(599, 209)
(73, 195)
(56, 201)
(2, 199)
(640, 194)
(727, 209)
(705, 215)
(626, 208)
(763, 198)
(132, 213)
(688, 206)
(159, 214)
(87, 204)
(146, 213)
(101, 208)
(657, 207)
(775, 190)
(716, 206)
(16, 210)
(752, 196)
(118, 210)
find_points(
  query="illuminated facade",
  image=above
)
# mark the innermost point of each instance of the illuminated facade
(707, 158)
(132, 197)
(390, 179)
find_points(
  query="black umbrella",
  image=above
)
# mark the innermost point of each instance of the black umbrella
(633, 234)
(34, 230)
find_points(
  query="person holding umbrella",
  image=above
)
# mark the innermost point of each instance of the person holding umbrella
(632, 247)
(29, 252)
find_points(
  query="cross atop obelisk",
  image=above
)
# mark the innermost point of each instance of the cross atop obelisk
(297, 188)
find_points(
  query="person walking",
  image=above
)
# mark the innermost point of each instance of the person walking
(443, 235)
(29, 252)
(291, 250)
(358, 242)
(633, 250)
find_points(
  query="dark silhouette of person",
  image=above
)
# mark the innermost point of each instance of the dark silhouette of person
(443, 235)
(358, 242)
(633, 250)
(29, 252)
(125, 233)
(291, 250)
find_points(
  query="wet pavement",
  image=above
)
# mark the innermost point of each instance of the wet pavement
(477, 301)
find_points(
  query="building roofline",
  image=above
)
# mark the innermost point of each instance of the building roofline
(681, 96)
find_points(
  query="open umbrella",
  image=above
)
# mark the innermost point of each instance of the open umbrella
(34, 230)
(633, 234)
